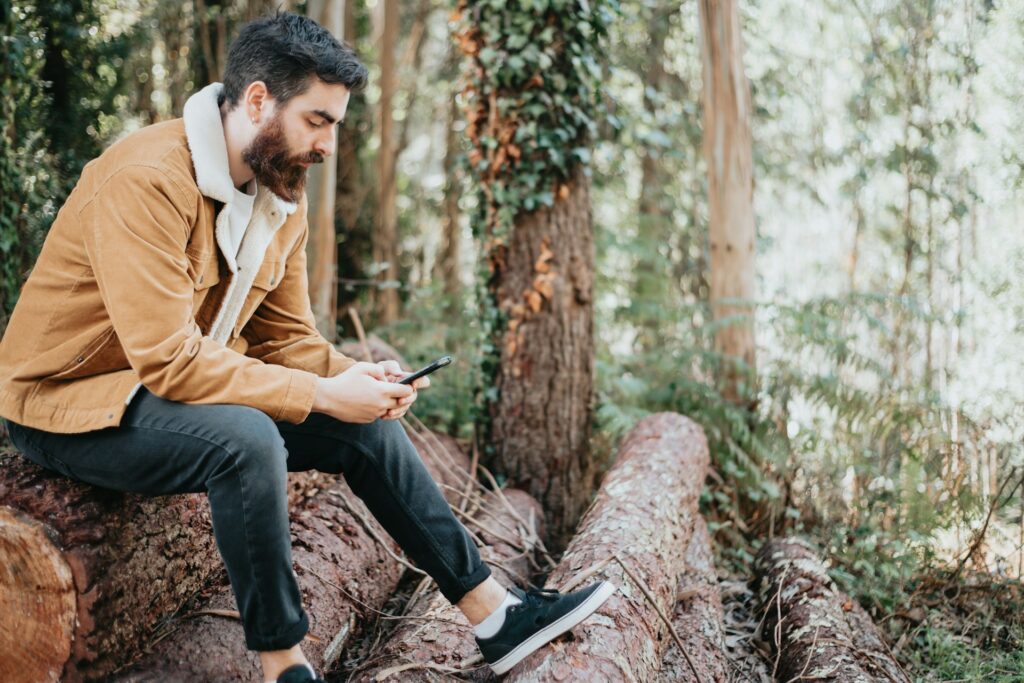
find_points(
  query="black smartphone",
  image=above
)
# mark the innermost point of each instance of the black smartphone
(436, 365)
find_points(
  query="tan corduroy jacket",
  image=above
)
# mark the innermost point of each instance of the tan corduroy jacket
(138, 284)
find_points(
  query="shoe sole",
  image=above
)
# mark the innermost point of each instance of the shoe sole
(555, 628)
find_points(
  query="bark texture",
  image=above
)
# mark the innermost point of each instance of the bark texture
(436, 638)
(697, 618)
(542, 281)
(729, 156)
(133, 560)
(642, 515)
(346, 566)
(342, 565)
(817, 631)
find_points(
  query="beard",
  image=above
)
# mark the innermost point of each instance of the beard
(273, 164)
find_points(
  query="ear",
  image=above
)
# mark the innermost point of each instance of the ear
(257, 101)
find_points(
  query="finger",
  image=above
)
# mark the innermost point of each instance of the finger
(421, 383)
(391, 368)
(396, 390)
(373, 370)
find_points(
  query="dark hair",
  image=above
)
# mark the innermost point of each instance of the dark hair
(284, 50)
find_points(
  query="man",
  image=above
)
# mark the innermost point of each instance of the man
(164, 343)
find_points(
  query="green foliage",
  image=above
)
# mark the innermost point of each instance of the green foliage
(59, 79)
(441, 325)
(532, 101)
(27, 179)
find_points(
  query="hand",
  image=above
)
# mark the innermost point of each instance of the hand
(361, 394)
(394, 372)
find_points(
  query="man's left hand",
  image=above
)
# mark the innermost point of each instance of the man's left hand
(394, 372)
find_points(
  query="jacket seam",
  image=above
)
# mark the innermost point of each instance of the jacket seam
(163, 171)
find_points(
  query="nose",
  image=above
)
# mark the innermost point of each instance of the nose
(326, 143)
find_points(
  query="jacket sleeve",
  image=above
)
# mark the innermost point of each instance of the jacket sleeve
(283, 330)
(135, 228)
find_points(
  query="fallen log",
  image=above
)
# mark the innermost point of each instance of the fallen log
(102, 566)
(347, 567)
(378, 350)
(635, 535)
(815, 630)
(435, 638)
(697, 618)
(90, 573)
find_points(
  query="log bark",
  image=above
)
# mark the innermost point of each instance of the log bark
(346, 565)
(342, 565)
(436, 638)
(132, 561)
(641, 519)
(107, 568)
(697, 618)
(817, 631)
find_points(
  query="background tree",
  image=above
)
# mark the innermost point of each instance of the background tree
(729, 158)
(531, 113)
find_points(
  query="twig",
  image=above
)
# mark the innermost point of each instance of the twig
(810, 652)
(370, 530)
(657, 608)
(360, 333)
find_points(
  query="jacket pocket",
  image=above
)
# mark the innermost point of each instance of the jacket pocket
(267, 278)
(203, 269)
(102, 354)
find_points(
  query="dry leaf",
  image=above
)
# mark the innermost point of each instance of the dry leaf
(542, 283)
(534, 300)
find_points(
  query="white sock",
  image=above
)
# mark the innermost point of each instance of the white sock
(492, 624)
(308, 666)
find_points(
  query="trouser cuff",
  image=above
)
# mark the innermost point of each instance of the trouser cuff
(283, 640)
(455, 593)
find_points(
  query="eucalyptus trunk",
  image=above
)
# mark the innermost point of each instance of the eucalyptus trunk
(729, 156)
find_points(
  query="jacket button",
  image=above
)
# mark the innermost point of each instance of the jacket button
(201, 279)
(271, 280)
(80, 359)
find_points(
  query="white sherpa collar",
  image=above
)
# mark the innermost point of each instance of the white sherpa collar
(205, 133)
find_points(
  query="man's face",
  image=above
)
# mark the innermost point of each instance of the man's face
(296, 135)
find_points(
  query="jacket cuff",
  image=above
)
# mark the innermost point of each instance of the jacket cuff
(299, 397)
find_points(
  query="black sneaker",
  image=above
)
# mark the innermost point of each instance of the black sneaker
(298, 673)
(542, 616)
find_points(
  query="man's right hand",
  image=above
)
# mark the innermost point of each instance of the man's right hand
(360, 394)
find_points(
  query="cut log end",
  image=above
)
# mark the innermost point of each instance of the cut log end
(37, 602)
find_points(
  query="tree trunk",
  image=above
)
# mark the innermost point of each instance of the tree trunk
(322, 247)
(449, 261)
(697, 618)
(651, 278)
(435, 635)
(385, 239)
(642, 517)
(540, 420)
(817, 632)
(106, 565)
(728, 153)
